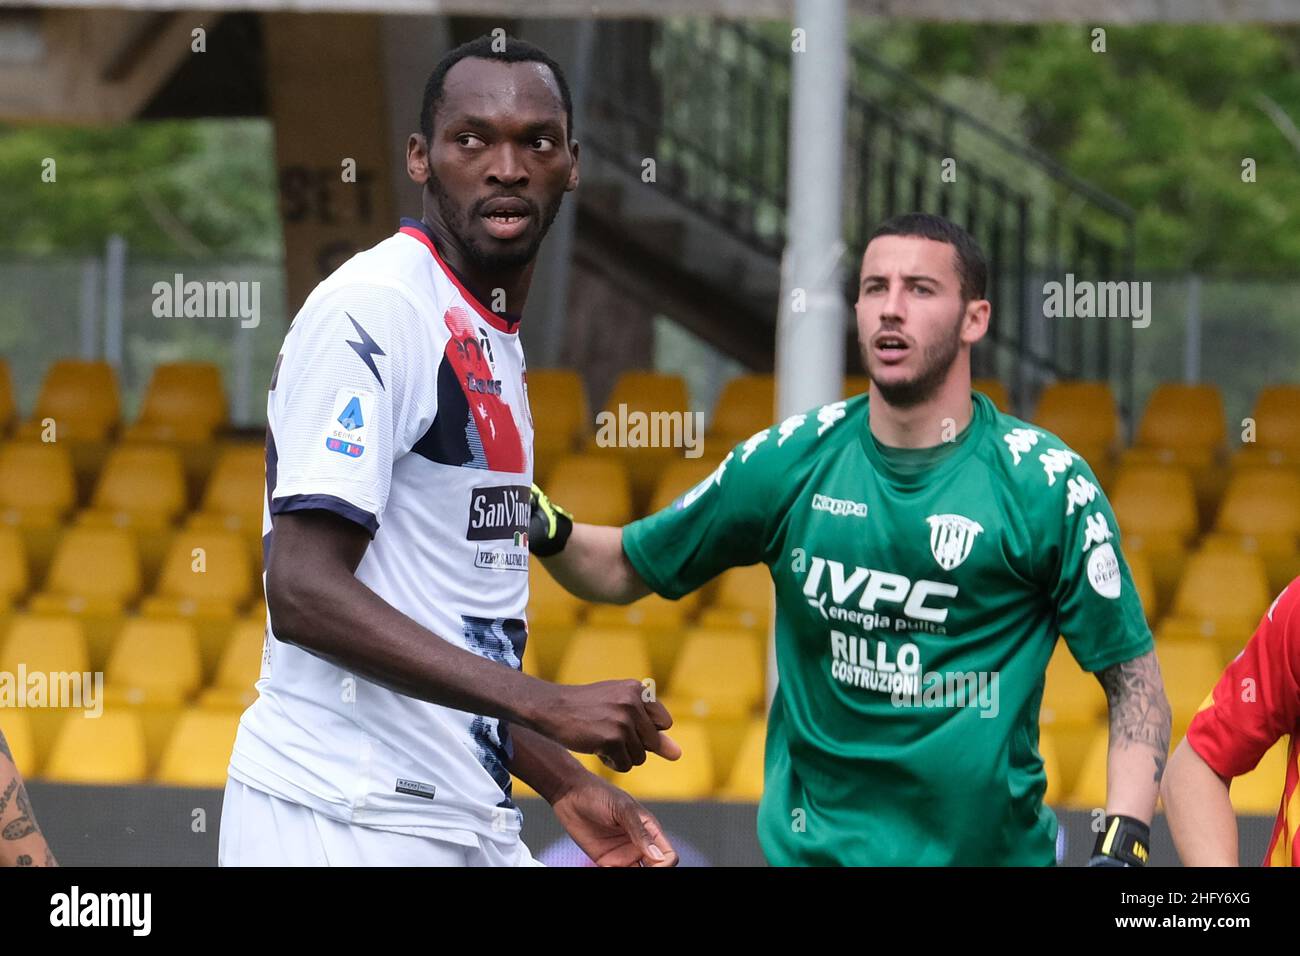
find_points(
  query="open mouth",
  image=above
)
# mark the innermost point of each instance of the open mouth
(890, 347)
(505, 218)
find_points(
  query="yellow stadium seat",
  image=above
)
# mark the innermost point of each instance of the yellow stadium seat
(995, 390)
(726, 737)
(595, 489)
(45, 644)
(1155, 502)
(142, 489)
(94, 570)
(1190, 671)
(184, 402)
(680, 476)
(747, 405)
(1089, 790)
(553, 613)
(198, 753)
(1073, 706)
(95, 575)
(1260, 790)
(141, 486)
(37, 483)
(561, 419)
(1051, 768)
(717, 674)
(660, 400)
(109, 749)
(1254, 456)
(1225, 592)
(1260, 513)
(14, 579)
(854, 385)
(648, 392)
(205, 578)
(599, 654)
(205, 570)
(1183, 416)
(1083, 415)
(17, 729)
(689, 778)
(1184, 425)
(1139, 565)
(238, 670)
(82, 399)
(153, 662)
(234, 497)
(745, 782)
(747, 590)
(236, 489)
(657, 619)
(1263, 503)
(1157, 512)
(1277, 419)
(1071, 695)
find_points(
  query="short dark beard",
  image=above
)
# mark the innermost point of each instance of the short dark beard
(483, 261)
(938, 356)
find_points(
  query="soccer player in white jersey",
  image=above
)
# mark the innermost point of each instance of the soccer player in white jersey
(392, 707)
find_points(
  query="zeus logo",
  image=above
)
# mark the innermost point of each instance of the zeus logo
(366, 349)
(875, 586)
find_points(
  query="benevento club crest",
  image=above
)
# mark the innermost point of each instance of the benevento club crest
(951, 537)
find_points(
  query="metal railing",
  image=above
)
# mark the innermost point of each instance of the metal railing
(708, 101)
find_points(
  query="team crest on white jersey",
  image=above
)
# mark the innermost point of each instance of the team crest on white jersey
(951, 538)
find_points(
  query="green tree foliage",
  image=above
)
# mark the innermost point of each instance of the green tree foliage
(1162, 120)
(187, 189)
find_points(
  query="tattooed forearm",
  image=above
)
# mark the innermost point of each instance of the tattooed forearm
(24, 825)
(1139, 710)
(18, 820)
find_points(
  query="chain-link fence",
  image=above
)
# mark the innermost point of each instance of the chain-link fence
(228, 313)
(1240, 334)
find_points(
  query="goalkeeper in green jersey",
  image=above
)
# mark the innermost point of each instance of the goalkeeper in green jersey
(927, 552)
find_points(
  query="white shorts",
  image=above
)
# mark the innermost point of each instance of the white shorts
(258, 829)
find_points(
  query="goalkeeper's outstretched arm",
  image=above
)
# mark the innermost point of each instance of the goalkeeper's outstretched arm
(587, 559)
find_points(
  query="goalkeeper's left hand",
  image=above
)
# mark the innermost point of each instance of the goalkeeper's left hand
(1125, 842)
(549, 525)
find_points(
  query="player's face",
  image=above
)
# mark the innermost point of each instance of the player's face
(912, 320)
(500, 161)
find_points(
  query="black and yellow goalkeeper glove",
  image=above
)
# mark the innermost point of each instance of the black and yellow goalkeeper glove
(549, 525)
(1124, 842)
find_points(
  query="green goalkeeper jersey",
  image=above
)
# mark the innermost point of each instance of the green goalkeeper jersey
(918, 599)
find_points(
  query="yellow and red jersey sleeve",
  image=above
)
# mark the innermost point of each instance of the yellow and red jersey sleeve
(1255, 703)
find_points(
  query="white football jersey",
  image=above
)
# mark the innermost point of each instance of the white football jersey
(399, 402)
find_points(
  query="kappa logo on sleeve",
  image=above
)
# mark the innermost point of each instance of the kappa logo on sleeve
(345, 432)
